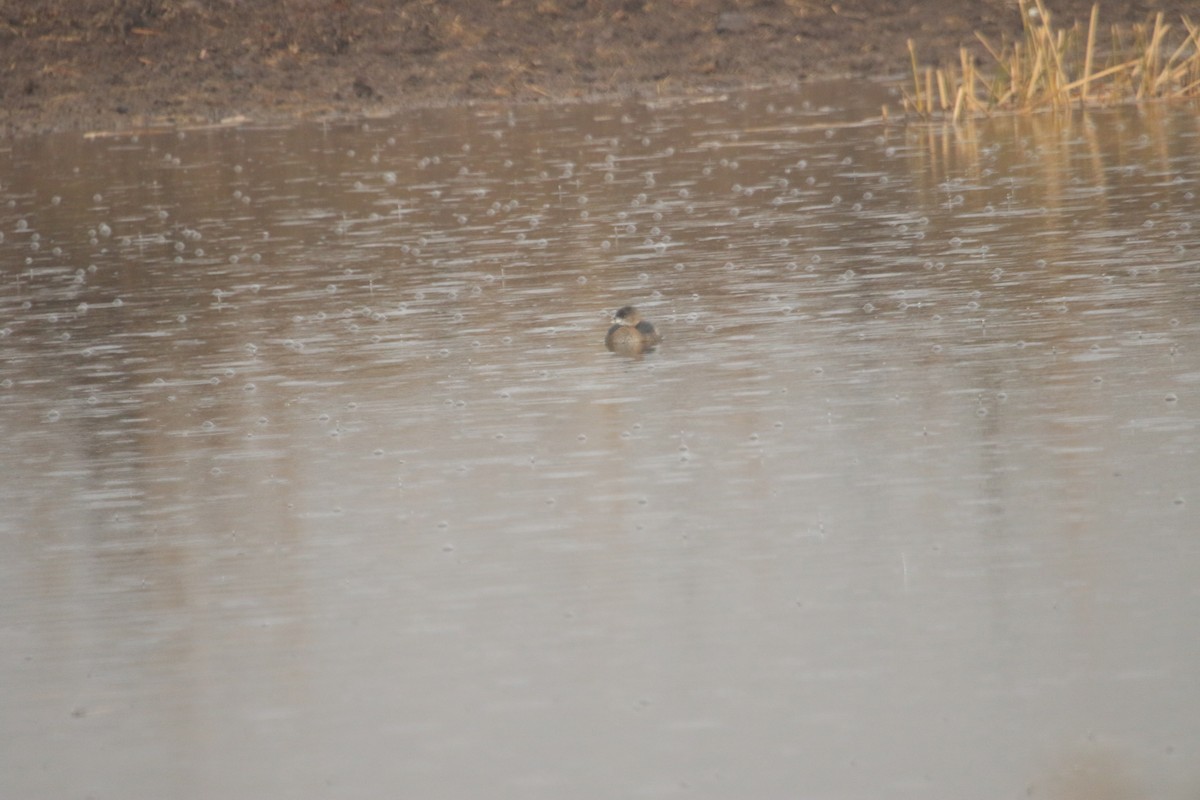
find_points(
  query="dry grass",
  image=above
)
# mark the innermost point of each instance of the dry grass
(1049, 68)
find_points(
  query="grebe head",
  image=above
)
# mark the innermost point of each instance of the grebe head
(627, 315)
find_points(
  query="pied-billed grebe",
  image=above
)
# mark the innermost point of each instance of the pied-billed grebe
(630, 334)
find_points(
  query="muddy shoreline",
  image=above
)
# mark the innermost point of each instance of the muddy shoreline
(113, 65)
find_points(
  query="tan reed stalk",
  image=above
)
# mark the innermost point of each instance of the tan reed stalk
(916, 71)
(1089, 52)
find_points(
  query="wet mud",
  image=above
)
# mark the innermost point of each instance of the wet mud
(112, 65)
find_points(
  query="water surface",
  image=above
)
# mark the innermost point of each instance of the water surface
(320, 482)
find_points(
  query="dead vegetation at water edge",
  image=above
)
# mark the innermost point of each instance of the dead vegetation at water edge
(1049, 68)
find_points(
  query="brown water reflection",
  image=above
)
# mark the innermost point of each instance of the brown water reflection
(321, 481)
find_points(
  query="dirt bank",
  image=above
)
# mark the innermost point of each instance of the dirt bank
(114, 64)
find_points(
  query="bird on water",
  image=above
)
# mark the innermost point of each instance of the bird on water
(630, 334)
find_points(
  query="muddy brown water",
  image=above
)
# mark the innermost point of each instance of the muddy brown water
(319, 480)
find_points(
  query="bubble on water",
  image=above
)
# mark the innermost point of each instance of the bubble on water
(53, 415)
(1171, 397)
(208, 425)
